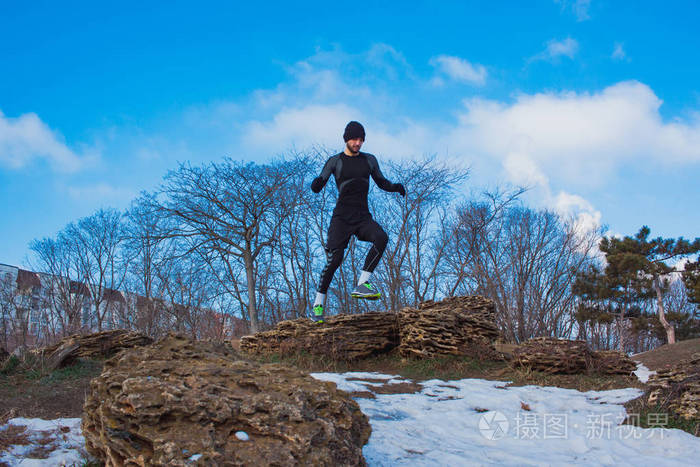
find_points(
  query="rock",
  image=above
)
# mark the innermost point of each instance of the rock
(98, 345)
(454, 326)
(562, 356)
(182, 402)
(611, 362)
(678, 388)
(475, 305)
(341, 337)
(552, 355)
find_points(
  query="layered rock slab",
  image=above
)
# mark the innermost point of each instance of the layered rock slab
(183, 402)
(563, 356)
(97, 346)
(678, 388)
(552, 355)
(454, 326)
(612, 362)
(342, 337)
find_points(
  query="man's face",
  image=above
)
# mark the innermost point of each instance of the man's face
(354, 145)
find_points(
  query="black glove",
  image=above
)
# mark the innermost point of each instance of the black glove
(399, 189)
(317, 184)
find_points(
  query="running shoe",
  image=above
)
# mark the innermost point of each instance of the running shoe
(318, 314)
(367, 291)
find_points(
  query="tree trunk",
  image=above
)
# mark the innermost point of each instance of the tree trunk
(620, 331)
(670, 332)
(250, 279)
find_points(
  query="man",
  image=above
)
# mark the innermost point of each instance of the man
(352, 170)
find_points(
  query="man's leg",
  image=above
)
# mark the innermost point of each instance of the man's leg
(370, 231)
(333, 260)
(338, 236)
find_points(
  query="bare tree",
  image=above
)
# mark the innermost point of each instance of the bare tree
(229, 213)
(93, 242)
(53, 258)
(189, 289)
(14, 314)
(463, 232)
(525, 260)
(147, 250)
(412, 261)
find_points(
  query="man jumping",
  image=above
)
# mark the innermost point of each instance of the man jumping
(351, 215)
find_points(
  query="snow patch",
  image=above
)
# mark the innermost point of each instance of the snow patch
(480, 422)
(61, 441)
(464, 422)
(643, 373)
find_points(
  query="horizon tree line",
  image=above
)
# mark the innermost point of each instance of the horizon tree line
(245, 240)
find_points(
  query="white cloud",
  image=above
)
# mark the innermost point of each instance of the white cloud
(558, 48)
(586, 217)
(578, 7)
(100, 192)
(26, 137)
(459, 69)
(618, 52)
(580, 138)
(563, 144)
(524, 171)
(301, 127)
(322, 125)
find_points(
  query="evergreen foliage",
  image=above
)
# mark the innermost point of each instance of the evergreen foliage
(691, 279)
(637, 270)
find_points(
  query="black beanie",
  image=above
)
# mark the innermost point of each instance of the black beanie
(353, 130)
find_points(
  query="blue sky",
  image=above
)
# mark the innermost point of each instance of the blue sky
(594, 104)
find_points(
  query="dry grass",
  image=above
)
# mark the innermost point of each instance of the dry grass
(641, 413)
(452, 368)
(28, 392)
(669, 354)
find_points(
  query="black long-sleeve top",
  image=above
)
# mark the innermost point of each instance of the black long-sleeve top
(352, 179)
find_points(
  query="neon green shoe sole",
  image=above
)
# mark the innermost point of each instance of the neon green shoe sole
(367, 297)
(366, 291)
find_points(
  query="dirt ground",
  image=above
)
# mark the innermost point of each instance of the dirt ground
(668, 355)
(56, 395)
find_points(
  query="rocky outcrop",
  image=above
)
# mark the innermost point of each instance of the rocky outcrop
(678, 388)
(454, 326)
(183, 402)
(342, 337)
(97, 346)
(611, 362)
(562, 356)
(552, 355)
(475, 305)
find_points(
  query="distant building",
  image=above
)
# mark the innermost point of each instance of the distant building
(29, 300)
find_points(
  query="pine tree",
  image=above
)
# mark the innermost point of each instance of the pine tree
(637, 269)
(691, 279)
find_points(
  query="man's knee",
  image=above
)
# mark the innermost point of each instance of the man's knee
(381, 239)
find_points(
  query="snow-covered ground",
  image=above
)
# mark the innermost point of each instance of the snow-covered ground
(59, 441)
(468, 422)
(480, 422)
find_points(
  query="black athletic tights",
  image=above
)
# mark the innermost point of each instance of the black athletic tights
(339, 235)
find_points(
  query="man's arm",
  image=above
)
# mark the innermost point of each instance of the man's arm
(381, 180)
(320, 181)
